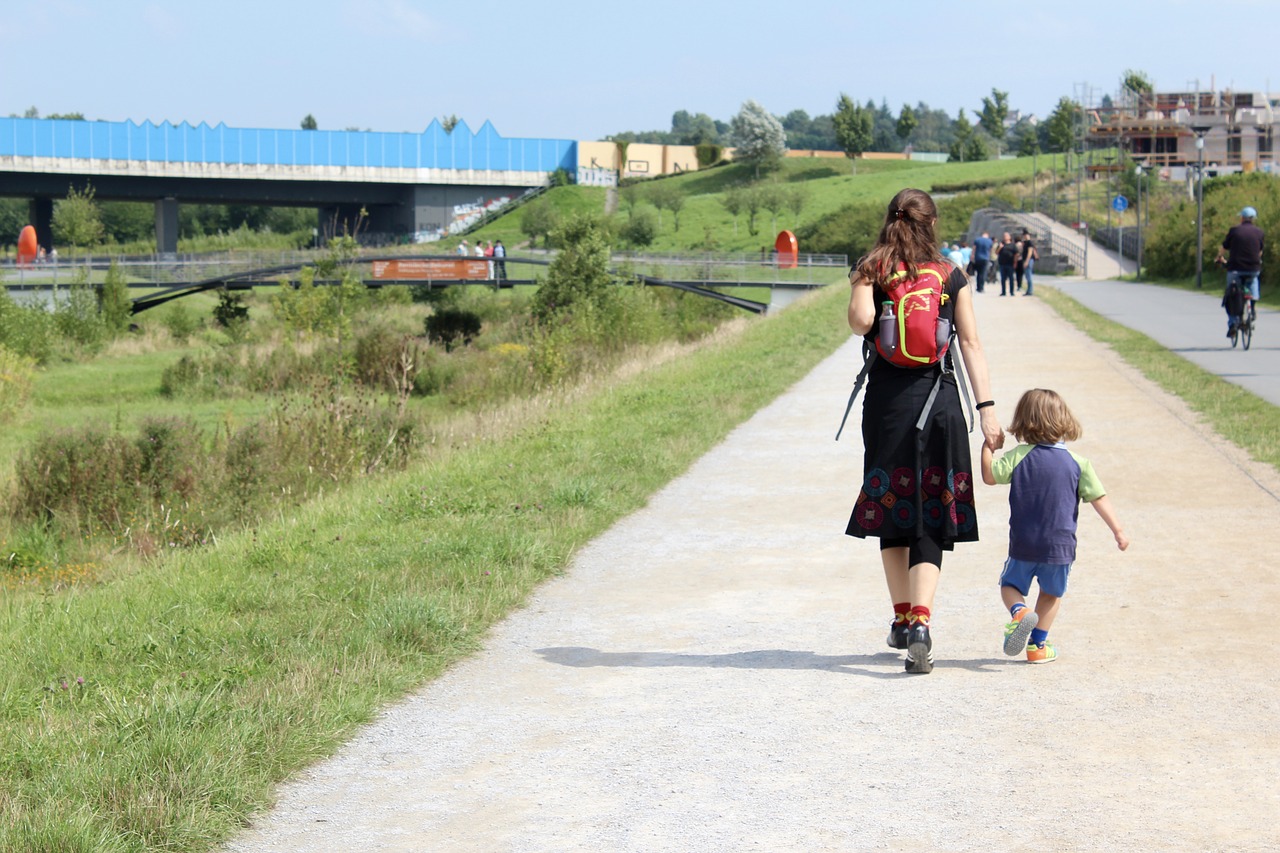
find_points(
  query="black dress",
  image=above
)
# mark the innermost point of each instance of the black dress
(916, 483)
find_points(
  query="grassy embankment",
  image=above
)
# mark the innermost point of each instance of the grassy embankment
(157, 711)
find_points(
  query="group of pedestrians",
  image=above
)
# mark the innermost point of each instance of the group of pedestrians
(1015, 261)
(493, 251)
(916, 496)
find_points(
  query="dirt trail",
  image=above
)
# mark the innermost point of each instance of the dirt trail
(711, 674)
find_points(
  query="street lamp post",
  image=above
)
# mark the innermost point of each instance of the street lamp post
(1200, 130)
(1138, 172)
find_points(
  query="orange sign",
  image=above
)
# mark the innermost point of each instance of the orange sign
(433, 269)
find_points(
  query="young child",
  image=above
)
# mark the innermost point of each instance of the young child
(1047, 483)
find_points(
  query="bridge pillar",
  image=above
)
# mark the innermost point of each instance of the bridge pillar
(167, 226)
(41, 213)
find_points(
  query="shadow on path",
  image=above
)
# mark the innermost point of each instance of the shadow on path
(888, 664)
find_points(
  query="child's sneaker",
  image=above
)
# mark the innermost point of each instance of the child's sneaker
(1042, 654)
(1018, 631)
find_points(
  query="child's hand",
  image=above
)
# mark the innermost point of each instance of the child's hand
(1122, 541)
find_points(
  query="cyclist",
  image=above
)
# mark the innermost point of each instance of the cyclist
(1244, 243)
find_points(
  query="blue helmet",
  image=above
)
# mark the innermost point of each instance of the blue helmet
(1248, 213)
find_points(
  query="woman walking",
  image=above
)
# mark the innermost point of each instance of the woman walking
(917, 486)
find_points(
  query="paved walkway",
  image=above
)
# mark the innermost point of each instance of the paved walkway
(1190, 324)
(711, 673)
(1102, 263)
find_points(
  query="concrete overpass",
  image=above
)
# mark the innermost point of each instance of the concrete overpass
(408, 182)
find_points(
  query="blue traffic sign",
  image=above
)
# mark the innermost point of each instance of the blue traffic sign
(1120, 203)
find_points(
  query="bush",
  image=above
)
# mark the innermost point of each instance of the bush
(230, 312)
(640, 229)
(26, 329)
(17, 375)
(451, 325)
(116, 304)
(180, 321)
(708, 154)
(580, 272)
(382, 357)
(77, 317)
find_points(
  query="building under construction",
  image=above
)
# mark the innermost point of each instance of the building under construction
(1161, 129)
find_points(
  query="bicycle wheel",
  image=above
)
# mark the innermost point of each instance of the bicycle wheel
(1246, 332)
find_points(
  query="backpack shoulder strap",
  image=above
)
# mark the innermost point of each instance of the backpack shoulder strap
(868, 357)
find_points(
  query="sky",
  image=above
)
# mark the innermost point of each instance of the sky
(573, 70)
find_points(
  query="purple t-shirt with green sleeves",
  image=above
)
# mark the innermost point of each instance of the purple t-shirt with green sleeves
(1047, 483)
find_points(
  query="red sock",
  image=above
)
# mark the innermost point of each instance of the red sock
(900, 612)
(919, 613)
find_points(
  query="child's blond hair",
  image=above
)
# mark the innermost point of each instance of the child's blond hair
(1041, 417)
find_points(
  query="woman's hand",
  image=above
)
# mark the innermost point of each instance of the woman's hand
(992, 432)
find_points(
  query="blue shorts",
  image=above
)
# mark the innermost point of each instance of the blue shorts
(1052, 576)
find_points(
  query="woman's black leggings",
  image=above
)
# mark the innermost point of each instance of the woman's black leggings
(921, 550)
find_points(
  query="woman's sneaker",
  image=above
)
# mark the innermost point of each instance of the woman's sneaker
(899, 634)
(1018, 631)
(1042, 654)
(920, 649)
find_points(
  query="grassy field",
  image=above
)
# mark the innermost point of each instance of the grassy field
(157, 711)
(705, 225)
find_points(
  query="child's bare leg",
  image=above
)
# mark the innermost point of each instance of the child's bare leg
(1010, 596)
(1047, 608)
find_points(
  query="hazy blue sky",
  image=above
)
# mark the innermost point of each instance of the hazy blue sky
(574, 70)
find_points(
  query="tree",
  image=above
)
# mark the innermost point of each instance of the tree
(641, 228)
(733, 201)
(797, 199)
(309, 122)
(773, 198)
(1028, 142)
(752, 201)
(539, 219)
(854, 127)
(907, 122)
(76, 221)
(115, 304)
(579, 275)
(963, 133)
(665, 195)
(994, 111)
(1060, 127)
(449, 122)
(1136, 83)
(759, 138)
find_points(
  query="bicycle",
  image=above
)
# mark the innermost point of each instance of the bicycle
(1239, 298)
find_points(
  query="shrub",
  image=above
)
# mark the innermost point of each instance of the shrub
(17, 375)
(451, 325)
(180, 321)
(26, 329)
(77, 317)
(580, 272)
(230, 312)
(708, 154)
(117, 306)
(640, 229)
(86, 477)
(383, 357)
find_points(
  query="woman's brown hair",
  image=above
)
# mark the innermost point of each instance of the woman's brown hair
(906, 239)
(1041, 417)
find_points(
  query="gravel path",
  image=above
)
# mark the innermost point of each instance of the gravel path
(711, 674)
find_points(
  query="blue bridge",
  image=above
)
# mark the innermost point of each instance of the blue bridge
(427, 183)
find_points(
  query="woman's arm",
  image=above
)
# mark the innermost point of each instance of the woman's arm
(862, 304)
(975, 362)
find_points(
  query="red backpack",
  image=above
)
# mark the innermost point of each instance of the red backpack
(913, 332)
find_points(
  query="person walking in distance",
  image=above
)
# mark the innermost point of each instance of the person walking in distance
(981, 259)
(1029, 257)
(500, 260)
(1047, 483)
(916, 495)
(1244, 243)
(1005, 259)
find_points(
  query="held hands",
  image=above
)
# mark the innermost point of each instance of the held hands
(992, 432)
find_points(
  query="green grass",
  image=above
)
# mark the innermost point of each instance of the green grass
(1237, 415)
(830, 185)
(210, 676)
